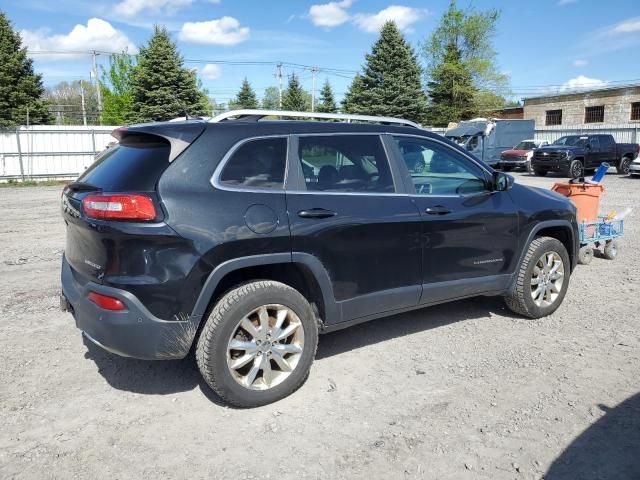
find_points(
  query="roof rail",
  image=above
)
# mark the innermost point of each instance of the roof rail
(255, 115)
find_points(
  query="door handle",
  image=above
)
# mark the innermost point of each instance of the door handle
(438, 210)
(316, 213)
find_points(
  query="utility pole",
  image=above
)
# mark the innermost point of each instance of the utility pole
(84, 110)
(314, 70)
(279, 75)
(95, 76)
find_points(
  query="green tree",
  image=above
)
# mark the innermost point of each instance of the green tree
(65, 101)
(116, 89)
(391, 80)
(21, 89)
(162, 88)
(353, 97)
(246, 97)
(294, 97)
(327, 101)
(472, 33)
(451, 90)
(271, 99)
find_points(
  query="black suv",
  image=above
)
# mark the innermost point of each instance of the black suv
(245, 238)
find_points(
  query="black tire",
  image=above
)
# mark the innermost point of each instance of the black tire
(623, 166)
(211, 350)
(539, 172)
(519, 299)
(585, 255)
(576, 169)
(611, 250)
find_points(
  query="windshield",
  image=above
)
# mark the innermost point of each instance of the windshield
(572, 140)
(525, 146)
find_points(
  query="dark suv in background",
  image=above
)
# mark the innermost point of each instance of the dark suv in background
(244, 238)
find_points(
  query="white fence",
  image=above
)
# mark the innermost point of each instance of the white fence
(50, 151)
(66, 151)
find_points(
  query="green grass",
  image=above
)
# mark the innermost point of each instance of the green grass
(32, 183)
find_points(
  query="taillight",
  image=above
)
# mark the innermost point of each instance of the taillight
(106, 302)
(119, 207)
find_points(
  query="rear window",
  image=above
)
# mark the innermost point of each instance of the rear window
(135, 164)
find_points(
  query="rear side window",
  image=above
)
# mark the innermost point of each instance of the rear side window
(345, 163)
(135, 164)
(257, 163)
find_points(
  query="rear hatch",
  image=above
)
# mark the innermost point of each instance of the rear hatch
(114, 204)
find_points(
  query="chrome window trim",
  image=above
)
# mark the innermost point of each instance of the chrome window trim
(215, 178)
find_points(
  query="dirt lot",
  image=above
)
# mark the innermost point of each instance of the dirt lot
(465, 390)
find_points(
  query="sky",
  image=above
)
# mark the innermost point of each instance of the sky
(543, 45)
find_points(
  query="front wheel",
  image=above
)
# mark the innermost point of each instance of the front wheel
(576, 169)
(611, 250)
(542, 279)
(258, 344)
(623, 166)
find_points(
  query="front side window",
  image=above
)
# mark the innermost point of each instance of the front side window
(445, 173)
(345, 163)
(257, 163)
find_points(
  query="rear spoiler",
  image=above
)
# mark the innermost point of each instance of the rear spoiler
(179, 135)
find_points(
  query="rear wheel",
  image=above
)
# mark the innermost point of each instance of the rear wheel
(542, 279)
(611, 250)
(623, 166)
(540, 172)
(258, 344)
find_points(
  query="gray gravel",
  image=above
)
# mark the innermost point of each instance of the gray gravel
(464, 390)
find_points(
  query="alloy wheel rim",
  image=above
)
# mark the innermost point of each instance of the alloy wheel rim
(265, 347)
(547, 279)
(625, 166)
(577, 170)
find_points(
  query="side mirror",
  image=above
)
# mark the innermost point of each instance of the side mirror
(588, 146)
(502, 181)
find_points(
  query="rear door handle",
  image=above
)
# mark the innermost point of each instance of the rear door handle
(438, 210)
(316, 213)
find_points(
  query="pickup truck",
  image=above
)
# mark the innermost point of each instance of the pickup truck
(573, 155)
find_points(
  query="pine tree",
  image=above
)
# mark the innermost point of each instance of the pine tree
(294, 97)
(246, 97)
(162, 88)
(353, 97)
(21, 90)
(451, 90)
(327, 102)
(391, 79)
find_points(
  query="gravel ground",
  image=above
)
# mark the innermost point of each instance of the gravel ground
(463, 390)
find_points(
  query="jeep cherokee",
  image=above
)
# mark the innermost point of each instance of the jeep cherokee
(243, 238)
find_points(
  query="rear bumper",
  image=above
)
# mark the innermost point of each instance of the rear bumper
(132, 333)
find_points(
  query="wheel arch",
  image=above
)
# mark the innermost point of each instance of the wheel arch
(301, 271)
(562, 231)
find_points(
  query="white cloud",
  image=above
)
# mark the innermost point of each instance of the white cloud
(223, 31)
(211, 71)
(330, 14)
(631, 25)
(403, 16)
(98, 34)
(579, 62)
(131, 8)
(562, 3)
(581, 82)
